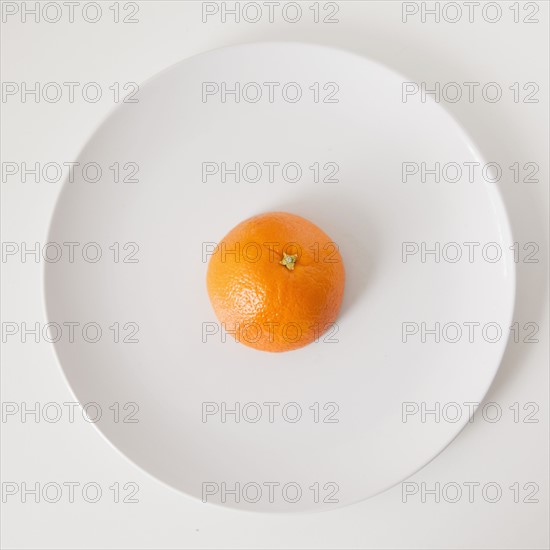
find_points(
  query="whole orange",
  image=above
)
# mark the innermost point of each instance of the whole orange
(276, 282)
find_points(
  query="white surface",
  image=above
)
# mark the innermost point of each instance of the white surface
(503, 452)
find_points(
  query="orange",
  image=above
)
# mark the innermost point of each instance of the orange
(276, 282)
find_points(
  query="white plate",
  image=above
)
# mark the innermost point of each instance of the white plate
(369, 372)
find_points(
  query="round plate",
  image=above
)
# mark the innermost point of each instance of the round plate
(336, 421)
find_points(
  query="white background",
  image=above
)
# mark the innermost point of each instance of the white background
(504, 452)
